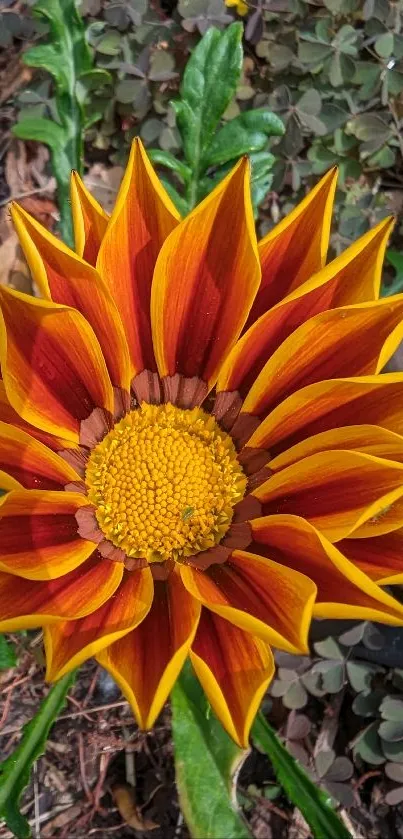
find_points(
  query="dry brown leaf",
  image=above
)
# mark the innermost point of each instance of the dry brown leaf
(63, 818)
(104, 183)
(14, 75)
(13, 268)
(27, 182)
(124, 798)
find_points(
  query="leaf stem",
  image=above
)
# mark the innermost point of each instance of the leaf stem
(15, 770)
(313, 803)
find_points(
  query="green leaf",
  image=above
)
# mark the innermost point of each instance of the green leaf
(15, 771)
(206, 760)
(244, 134)
(368, 745)
(313, 803)
(384, 45)
(180, 202)
(209, 83)
(313, 53)
(392, 708)
(67, 57)
(8, 657)
(262, 178)
(391, 730)
(110, 44)
(396, 259)
(42, 130)
(90, 81)
(164, 158)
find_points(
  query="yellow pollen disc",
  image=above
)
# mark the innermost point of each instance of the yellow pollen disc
(164, 482)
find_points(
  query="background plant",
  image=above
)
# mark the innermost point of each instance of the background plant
(333, 71)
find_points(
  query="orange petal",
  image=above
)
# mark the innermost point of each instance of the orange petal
(38, 534)
(89, 220)
(381, 557)
(142, 218)
(53, 368)
(205, 280)
(8, 415)
(70, 643)
(7, 482)
(343, 590)
(335, 490)
(353, 277)
(146, 662)
(234, 669)
(296, 248)
(67, 279)
(34, 603)
(31, 463)
(259, 596)
(350, 341)
(386, 517)
(330, 404)
(369, 439)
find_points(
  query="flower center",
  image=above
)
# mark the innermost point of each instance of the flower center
(164, 482)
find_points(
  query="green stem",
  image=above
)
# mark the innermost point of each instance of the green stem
(65, 224)
(16, 769)
(313, 803)
(193, 187)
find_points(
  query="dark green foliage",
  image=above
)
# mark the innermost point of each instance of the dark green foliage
(334, 71)
(67, 58)
(8, 657)
(15, 771)
(373, 691)
(208, 86)
(298, 787)
(396, 260)
(206, 760)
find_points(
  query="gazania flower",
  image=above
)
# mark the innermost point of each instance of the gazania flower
(200, 451)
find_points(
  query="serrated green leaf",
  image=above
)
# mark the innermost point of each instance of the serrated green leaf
(180, 202)
(313, 803)
(164, 158)
(46, 57)
(8, 657)
(42, 130)
(209, 83)
(67, 57)
(16, 769)
(67, 54)
(244, 134)
(206, 760)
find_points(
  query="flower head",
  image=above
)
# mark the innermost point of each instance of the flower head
(199, 448)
